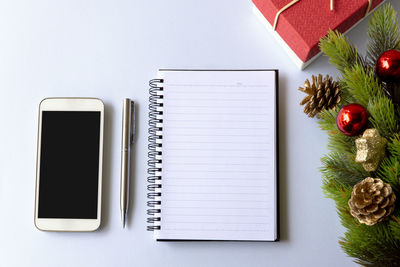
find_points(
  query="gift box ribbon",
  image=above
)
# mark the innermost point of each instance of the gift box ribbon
(295, 1)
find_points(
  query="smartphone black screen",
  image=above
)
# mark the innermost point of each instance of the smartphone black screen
(69, 164)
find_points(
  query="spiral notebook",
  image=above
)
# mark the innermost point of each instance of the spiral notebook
(213, 155)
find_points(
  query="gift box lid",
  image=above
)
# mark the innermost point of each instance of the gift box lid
(303, 24)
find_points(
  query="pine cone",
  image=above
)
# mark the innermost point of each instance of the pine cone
(371, 201)
(322, 94)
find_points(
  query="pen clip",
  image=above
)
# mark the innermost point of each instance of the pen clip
(132, 124)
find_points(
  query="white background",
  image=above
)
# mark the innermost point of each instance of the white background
(111, 49)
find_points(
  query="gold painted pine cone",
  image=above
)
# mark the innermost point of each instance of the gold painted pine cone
(371, 201)
(321, 94)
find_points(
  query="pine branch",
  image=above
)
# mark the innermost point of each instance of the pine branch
(377, 245)
(341, 53)
(342, 169)
(328, 119)
(383, 116)
(345, 95)
(361, 84)
(383, 33)
(389, 172)
(339, 193)
(394, 146)
(395, 227)
(341, 143)
(372, 245)
(337, 140)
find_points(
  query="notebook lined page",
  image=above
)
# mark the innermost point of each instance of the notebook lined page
(218, 156)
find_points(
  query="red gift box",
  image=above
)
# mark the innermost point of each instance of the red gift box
(300, 27)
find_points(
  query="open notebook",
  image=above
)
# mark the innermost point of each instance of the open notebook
(213, 149)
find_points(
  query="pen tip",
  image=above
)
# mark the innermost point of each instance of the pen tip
(123, 220)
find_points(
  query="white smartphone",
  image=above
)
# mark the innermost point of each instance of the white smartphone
(69, 164)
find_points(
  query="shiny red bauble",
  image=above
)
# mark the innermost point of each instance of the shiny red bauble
(387, 68)
(352, 119)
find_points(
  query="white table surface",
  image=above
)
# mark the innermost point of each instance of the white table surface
(111, 49)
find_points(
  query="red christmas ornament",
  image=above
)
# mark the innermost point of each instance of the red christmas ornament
(352, 119)
(387, 67)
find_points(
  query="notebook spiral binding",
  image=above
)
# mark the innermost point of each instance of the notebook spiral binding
(155, 154)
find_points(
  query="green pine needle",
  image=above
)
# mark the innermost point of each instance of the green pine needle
(389, 172)
(394, 146)
(383, 116)
(342, 169)
(383, 33)
(395, 227)
(361, 84)
(377, 245)
(341, 53)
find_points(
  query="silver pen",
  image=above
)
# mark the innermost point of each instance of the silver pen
(128, 139)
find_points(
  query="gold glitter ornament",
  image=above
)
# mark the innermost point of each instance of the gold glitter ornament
(370, 149)
(371, 201)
